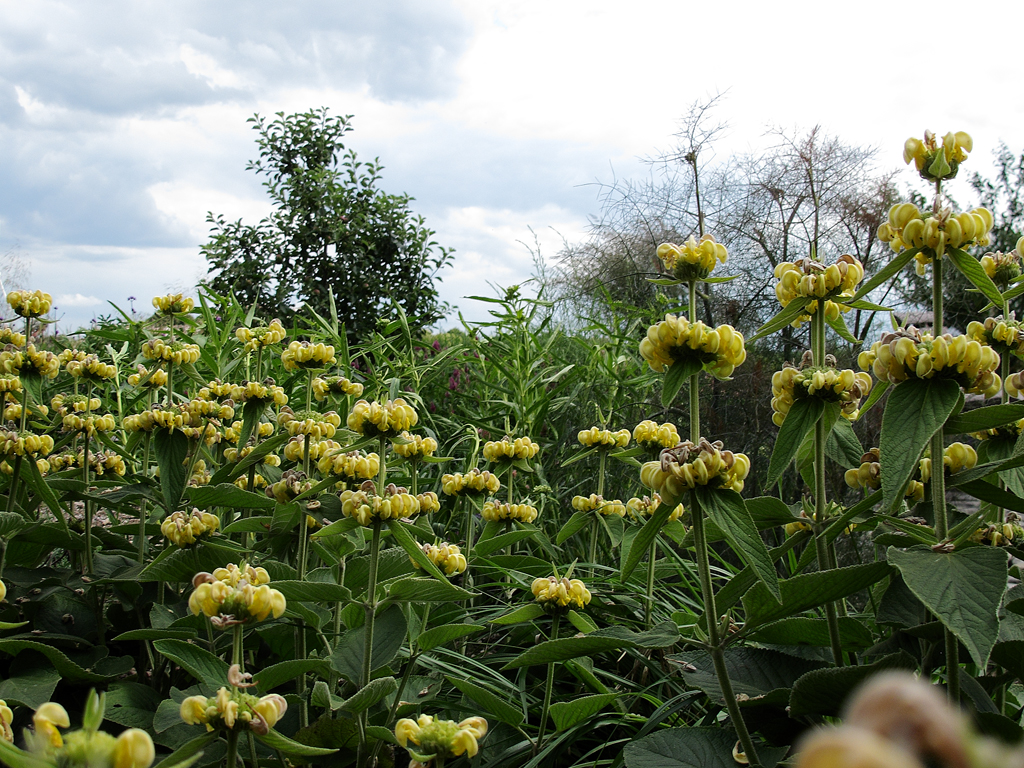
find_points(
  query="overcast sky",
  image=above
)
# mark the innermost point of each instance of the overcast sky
(122, 123)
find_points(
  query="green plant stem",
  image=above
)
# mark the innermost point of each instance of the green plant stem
(549, 686)
(952, 667)
(232, 756)
(85, 477)
(649, 605)
(237, 655)
(371, 609)
(714, 638)
(144, 504)
(695, 379)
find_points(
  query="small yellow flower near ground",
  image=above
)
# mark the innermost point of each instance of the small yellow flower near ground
(652, 435)
(604, 438)
(558, 595)
(234, 709)
(595, 503)
(440, 739)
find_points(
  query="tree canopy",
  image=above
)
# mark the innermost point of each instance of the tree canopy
(332, 230)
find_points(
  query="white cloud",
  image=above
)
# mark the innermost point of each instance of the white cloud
(206, 67)
(68, 300)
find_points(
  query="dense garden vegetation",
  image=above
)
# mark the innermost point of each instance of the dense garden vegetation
(268, 545)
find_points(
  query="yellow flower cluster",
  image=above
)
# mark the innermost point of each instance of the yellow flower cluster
(416, 446)
(232, 433)
(10, 382)
(1005, 336)
(89, 424)
(91, 368)
(428, 502)
(199, 409)
(173, 304)
(908, 353)
(1003, 268)
(648, 505)
(185, 530)
(216, 390)
(305, 355)
(692, 260)
(177, 352)
(323, 386)
(133, 748)
(235, 595)
(6, 715)
(101, 462)
(266, 393)
(510, 449)
(687, 466)
(650, 434)
(24, 443)
(234, 454)
(907, 227)
(439, 739)
(30, 303)
(143, 377)
(365, 506)
(495, 511)
(68, 403)
(595, 503)
(719, 349)
(1006, 432)
(559, 595)
(824, 382)
(997, 535)
(869, 476)
(473, 482)
(956, 457)
(318, 449)
(293, 482)
(807, 278)
(10, 336)
(935, 161)
(261, 335)
(354, 464)
(447, 557)
(234, 710)
(603, 438)
(30, 360)
(318, 426)
(387, 419)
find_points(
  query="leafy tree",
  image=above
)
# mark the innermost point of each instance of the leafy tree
(1004, 196)
(332, 230)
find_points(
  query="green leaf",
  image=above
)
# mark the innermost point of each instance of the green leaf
(676, 376)
(131, 705)
(916, 410)
(727, 510)
(761, 675)
(69, 670)
(566, 714)
(156, 634)
(988, 417)
(962, 588)
(838, 324)
(527, 612)
(171, 448)
(804, 630)
(490, 702)
(444, 634)
(369, 695)
(388, 635)
(287, 671)
(582, 622)
(576, 522)
(784, 317)
(15, 758)
(229, 472)
(971, 269)
(502, 540)
(798, 424)
(426, 591)
(228, 495)
(566, 648)
(823, 691)
(309, 591)
(642, 541)
(993, 494)
(188, 753)
(31, 471)
(809, 590)
(692, 748)
(280, 742)
(881, 276)
(208, 669)
(843, 446)
(29, 685)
